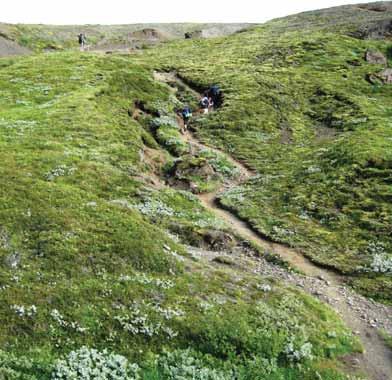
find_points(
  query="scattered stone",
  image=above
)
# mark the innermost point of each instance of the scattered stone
(194, 34)
(355, 362)
(386, 76)
(374, 79)
(265, 288)
(378, 30)
(13, 260)
(219, 240)
(376, 57)
(376, 7)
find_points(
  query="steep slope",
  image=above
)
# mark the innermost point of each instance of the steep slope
(300, 111)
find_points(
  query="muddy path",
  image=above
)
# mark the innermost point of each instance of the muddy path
(361, 315)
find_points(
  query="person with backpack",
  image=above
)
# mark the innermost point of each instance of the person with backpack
(186, 114)
(215, 93)
(82, 41)
(205, 103)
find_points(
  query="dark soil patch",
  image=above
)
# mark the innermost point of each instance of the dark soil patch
(11, 48)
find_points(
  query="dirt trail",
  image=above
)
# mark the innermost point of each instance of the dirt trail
(376, 361)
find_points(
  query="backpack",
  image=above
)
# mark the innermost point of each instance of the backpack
(214, 90)
(80, 38)
(204, 102)
(187, 113)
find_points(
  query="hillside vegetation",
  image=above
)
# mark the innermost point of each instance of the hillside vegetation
(299, 111)
(95, 248)
(107, 37)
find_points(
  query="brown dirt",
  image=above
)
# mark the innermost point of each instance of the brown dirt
(11, 48)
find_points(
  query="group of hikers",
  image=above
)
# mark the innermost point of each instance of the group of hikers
(211, 98)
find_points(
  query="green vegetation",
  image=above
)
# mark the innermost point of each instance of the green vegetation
(387, 338)
(303, 116)
(86, 259)
(93, 251)
(107, 37)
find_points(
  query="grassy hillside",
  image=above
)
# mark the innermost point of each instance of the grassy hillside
(299, 111)
(108, 37)
(86, 257)
(93, 246)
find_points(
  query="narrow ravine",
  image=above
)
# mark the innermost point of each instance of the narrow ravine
(376, 361)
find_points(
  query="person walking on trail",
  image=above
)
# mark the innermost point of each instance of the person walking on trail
(82, 41)
(205, 103)
(186, 116)
(215, 93)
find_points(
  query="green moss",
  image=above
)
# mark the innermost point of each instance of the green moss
(387, 338)
(84, 236)
(315, 131)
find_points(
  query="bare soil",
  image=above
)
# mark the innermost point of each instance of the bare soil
(11, 48)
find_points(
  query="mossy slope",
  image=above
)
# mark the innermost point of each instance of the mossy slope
(85, 253)
(299, 110)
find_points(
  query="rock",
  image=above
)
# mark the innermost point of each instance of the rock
(193, 187)
(376, 7)
(141, 155)
(374, 79)
(376, 57)
(219, 240)
(386, 76)
(194, 34)
(13, 260)
(148, 34)
(378, 30)
(265, 288)
(356, 362)
(383, 77)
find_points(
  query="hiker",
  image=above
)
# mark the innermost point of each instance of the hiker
(186, 116)
(216, 95)
(82, 41)
(210, 102)
(205, 103)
